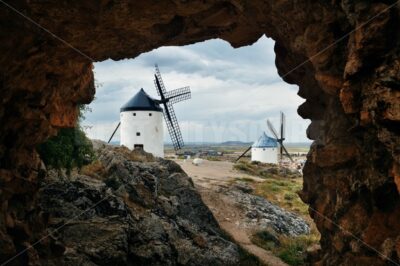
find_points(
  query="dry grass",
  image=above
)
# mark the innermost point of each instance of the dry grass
(283, 192)
(265, 170)
(291, 250)
(95, 170)
(281, 189)
(136, 155)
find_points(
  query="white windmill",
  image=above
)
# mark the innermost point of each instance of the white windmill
(141, 119)
(265, 149)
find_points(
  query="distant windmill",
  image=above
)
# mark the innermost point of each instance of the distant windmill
(282, 137)
(265, 149)
(141, 119)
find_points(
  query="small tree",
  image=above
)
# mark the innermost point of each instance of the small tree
(69, 149)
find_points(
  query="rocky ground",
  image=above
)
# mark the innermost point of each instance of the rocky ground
(238, 211)
(130, 209)
(261, 214)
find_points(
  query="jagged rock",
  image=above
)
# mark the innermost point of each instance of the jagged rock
(138, 213)
(262, 214)
(242, 186)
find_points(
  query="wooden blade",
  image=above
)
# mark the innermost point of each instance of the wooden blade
(178, 95)
(243, 154)
(283, 122)
(272, 129)
(287, 153)
(173, 126)
(161, 91)
(114, 132)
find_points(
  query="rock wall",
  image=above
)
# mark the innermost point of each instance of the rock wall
(129, 208)
(351, 91)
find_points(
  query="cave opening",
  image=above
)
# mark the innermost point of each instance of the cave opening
(343, 55)
(234, 91)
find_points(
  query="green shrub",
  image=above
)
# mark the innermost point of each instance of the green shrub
(241, 167)
(289, 196)
(265, 239)
(293, 250)
(69, 149)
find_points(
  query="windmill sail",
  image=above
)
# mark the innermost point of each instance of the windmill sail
(158, 82)
(286, 152)
(173, 126)
(178, 95)
(282, 136)
(272, 129)
(243, 154)
(283, 126)
(109, 140)
(168, 99)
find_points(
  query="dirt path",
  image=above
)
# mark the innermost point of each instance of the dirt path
(208, 177)
(211, 173)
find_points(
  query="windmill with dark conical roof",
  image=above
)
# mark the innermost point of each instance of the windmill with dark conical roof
(141, 119)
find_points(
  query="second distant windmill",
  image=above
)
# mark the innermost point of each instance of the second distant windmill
(265, 150)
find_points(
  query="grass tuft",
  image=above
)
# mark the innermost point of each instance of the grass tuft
(280, 186)
(283, 192)
(95, 170)
(265, 170)
(135, 155)
(291, 250)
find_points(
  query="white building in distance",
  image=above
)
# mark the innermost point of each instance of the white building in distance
(142, 124)
(265, 150)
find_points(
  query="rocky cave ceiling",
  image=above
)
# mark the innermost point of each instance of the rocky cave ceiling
(351, 91)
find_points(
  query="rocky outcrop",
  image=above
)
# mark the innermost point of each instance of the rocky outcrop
(125, 212)
(262, 215)
(344, 55)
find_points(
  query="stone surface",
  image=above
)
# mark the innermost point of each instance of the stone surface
(351, 92)
(262, 214)
(143, 212)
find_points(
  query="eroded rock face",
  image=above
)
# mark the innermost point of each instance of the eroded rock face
(351, 91)
(263, 215)
(125, 212)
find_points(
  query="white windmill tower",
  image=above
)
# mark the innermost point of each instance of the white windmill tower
(266, 150)
(141, 119)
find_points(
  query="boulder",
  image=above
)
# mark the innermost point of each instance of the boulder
(137, 213)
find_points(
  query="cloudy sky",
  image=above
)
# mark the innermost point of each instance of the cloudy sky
(234, 91)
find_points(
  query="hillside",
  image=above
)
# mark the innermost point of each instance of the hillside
(130, 208)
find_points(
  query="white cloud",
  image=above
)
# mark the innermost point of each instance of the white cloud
(233, 91)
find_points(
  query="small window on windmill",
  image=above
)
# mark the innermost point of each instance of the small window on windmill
(263, 149)
(150, 114)
(134, 114)
(138, 134)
